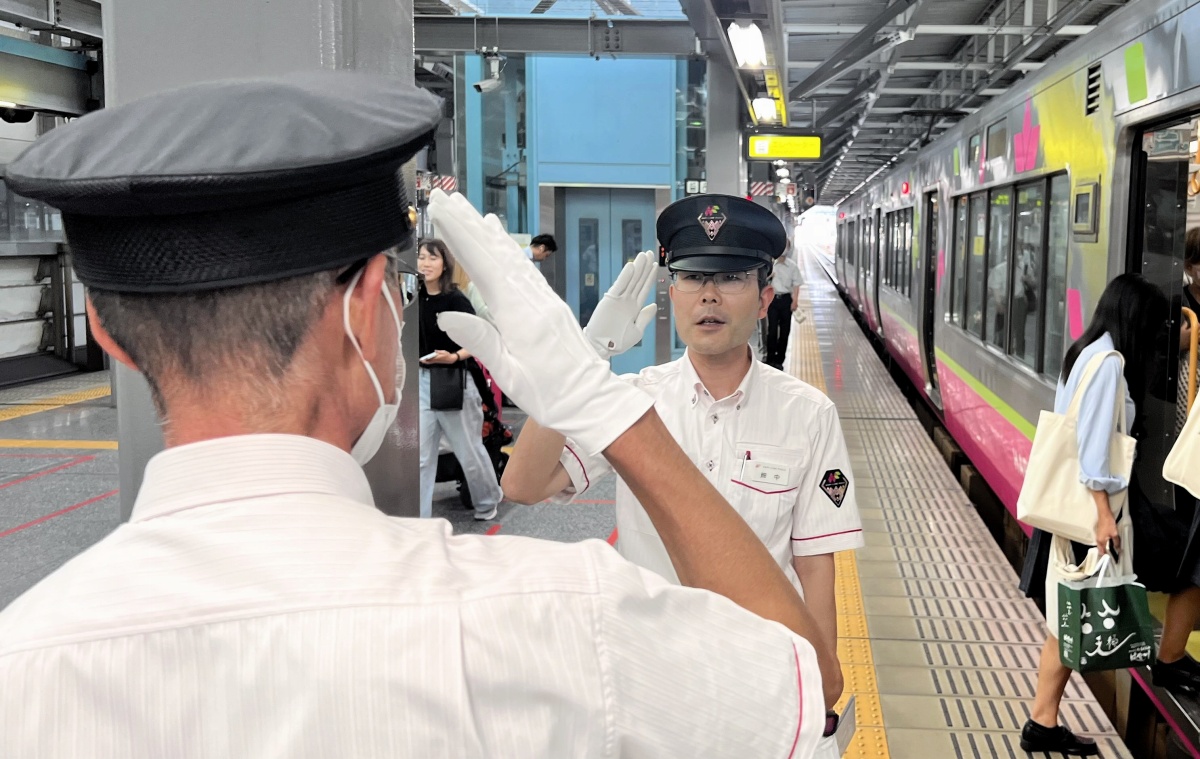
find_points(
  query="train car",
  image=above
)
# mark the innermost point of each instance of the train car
(980, 258)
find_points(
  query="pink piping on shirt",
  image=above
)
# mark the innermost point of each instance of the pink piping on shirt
(799, 701)
(764, 492)
(587, 480)
(830, 535)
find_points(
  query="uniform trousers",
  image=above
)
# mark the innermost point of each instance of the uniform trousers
(779, 328)
(464, 430)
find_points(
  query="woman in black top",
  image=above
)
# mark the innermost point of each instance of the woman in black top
(446, 384)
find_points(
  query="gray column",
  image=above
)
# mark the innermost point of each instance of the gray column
(152, 45)
(724, 165)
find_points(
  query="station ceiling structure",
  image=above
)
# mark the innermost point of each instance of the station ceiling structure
(876, 78)
(880, 78)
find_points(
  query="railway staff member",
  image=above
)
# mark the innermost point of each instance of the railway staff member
(234, 238)
(786, 280)
(770, 443)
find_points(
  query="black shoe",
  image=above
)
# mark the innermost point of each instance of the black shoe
(1182, 676)
(1035, 737)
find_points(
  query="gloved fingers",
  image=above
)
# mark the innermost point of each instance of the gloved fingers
(645, 316)
(621, 286)
(474, 334)
(649, 263)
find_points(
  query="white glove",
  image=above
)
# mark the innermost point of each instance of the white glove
(618, 322)
(536, 350)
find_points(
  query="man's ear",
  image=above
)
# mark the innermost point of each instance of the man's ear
(365, 302)
(105, 340)
(764, 300)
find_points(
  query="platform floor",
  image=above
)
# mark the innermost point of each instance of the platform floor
(938, 645)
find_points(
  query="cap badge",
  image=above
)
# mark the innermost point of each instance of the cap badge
(712, 220)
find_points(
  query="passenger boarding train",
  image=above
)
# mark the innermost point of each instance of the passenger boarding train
(979, 259)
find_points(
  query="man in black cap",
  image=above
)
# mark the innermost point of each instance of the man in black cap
(237, 243)
(772, 444)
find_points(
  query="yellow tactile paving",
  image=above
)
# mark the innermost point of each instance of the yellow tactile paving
(95, 445)
(854, 644)
(54, 401)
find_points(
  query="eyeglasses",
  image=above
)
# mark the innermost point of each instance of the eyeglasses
(728, 282)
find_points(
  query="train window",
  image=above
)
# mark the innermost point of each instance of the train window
(889, 230)
(1027, 274)
(997, 140)
(957, 262)
(851, 243)
(1056, 274)
(973, 152)
(973, 315)
(999, 225)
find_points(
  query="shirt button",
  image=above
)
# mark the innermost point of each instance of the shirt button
(710, 466)
(738, 407)
(715, 417)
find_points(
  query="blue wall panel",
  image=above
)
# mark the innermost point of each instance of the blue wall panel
(606, 122)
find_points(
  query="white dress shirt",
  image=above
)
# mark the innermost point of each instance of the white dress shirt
(795, 490)
(786, 276)
(258, 605)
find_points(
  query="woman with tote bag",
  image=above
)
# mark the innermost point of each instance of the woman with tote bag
(450, 401)
(1111, 355)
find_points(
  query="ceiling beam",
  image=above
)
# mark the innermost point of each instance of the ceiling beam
(951, 30)
(77, 19)
(539, 34)
(1073, 10)
(926, 65)
(855, 50)
(850, 99)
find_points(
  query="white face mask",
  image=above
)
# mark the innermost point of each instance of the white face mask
(372, 437)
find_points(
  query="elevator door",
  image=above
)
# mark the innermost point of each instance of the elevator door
(605, 229)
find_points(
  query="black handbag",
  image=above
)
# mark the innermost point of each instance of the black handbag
(446, 387)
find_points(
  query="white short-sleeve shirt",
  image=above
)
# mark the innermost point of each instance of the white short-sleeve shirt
(257, 604)
(786, 276)
(774, 449)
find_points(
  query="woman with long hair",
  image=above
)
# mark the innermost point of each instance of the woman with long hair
(1131, 312)
(450, 402)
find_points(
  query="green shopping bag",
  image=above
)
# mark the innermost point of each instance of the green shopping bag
(1104, 623)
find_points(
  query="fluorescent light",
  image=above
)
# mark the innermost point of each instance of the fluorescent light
(783, 172)
(748, 45)
(764, 109)
(6, 104)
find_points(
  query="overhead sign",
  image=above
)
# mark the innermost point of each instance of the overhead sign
(775, 146)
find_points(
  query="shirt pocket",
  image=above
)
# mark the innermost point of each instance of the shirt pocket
(762, 487)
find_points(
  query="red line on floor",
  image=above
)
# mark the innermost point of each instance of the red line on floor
(612, 539)
(493, 529)
(51, 470)
(58, 513)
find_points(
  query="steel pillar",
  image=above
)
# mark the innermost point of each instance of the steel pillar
(153, 45)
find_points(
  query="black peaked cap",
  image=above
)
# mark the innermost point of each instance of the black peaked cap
(233, 182)
(712, 233)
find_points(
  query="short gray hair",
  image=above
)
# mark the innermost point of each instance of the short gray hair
(200, 336)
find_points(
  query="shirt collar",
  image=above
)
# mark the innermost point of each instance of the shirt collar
(691, 380)
(247, 466)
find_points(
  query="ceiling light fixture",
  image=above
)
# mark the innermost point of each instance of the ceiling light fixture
(764, 109)
(748, 46)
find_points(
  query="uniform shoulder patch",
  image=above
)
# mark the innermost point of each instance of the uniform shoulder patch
(835, 485)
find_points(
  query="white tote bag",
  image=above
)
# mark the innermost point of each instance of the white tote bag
(1183, 462)
(1052, 497)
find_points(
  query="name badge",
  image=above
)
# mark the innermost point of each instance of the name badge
(767, 474)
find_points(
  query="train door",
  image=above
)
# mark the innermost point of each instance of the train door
(929, 259)
(1165, 212)
(876, 264)
(864, 255)
(883, 241)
